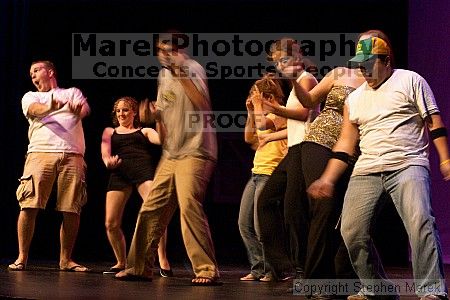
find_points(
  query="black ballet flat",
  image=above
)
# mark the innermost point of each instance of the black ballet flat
(165, 273)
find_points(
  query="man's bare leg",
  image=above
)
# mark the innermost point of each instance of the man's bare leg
(25, 231)
(68, 235)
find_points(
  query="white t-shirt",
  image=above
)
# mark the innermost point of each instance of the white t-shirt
(296, 129)
(391, 122)
(60, 130)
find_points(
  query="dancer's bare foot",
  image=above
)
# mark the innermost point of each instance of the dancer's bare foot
(128, 275)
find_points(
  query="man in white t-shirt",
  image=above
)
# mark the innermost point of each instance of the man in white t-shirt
(55, 154)
(389, 114)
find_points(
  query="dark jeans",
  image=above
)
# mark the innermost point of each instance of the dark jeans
(284, 198)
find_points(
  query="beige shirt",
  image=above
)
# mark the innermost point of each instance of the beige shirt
(188, 132)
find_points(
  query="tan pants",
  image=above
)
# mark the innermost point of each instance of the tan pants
(184, 180)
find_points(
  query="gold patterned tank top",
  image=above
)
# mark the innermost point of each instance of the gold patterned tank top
(326, 128)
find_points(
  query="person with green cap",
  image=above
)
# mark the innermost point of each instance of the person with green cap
(388, 115)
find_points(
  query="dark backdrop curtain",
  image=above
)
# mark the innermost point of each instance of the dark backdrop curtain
(428, 55)
(14, 64)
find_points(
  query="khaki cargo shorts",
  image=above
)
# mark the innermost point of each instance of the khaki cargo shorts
(41, 171)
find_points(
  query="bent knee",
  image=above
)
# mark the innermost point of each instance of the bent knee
(112, 226)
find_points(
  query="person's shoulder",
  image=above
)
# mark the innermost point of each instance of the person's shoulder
(193, 65)
(192, 62)
(30, 93)
(405, 73)
(340, 69)
(108, 131)
(305, 75)
(357, 92)
(30, 96)
(146, 130)
(74, 90)
(195, 69)
(408, 75)
(339, 72)
(69, 90)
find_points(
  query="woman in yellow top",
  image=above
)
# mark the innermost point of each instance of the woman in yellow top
(267, 132)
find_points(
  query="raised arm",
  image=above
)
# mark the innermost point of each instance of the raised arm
(300, 114)
(261, 120)
(318, 93)
(198, 99)
(250, 135)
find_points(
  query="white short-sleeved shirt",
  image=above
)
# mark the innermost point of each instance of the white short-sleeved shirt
(391, 122)
(60, 130)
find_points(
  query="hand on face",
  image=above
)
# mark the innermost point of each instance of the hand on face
(170, 58)
(249, 104)
(256, 98)
(270, 106)
(290, 66)
(291, 71)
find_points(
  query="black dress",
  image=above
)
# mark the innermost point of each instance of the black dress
(139, 159)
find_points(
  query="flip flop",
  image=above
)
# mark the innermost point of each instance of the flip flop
(75, 268)
(17, 267)
(249, 277)
(131, 277)
(210, 281)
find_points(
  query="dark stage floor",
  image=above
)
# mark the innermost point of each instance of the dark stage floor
(43, 280)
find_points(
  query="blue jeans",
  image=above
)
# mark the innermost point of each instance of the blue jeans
(248, 223)
(410, 191)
